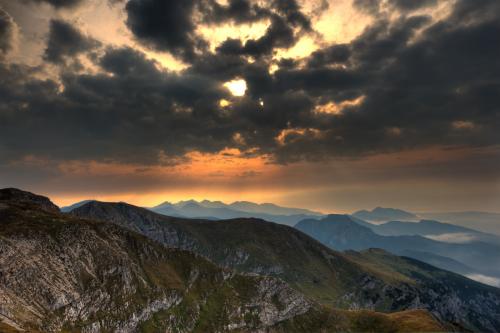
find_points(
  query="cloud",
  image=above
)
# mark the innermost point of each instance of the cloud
(400, 85)
(377, 7)
(165, 25)
(367, 6)
(65, 40)
(8, 30)
(59, 3)
(279, 35)
(171, 25)
(410, 5)
(133, 109)
(459, 237)
(492, 281)
(237, 11)
(335, 54)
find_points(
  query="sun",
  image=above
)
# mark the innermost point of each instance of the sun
(237, 87)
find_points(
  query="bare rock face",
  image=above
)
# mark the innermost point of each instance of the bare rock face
(15, 196)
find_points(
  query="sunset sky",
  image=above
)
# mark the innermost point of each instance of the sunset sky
(328, 105)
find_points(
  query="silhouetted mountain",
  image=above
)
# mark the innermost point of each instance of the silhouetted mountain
(269, 208)
(28, 199)
(351, 280)
(341, 232)
(380, 214)
(67, 209)
(218, 210)
(423, 227)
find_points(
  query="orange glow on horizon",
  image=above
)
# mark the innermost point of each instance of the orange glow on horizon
(230, 176)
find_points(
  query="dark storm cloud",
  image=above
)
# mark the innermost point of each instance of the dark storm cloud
(171, 25)
(373, 6)
(66, 41)
(335, 54)
(409, 5)
(165, 25)
(59, 3)
(416, 83)
(131, 115)
(238, 11)
(7, 27)
(367, 6)
(278, 35)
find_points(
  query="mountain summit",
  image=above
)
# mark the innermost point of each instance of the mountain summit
(381, 214)
(26, 199)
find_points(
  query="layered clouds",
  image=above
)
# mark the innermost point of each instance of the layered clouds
(412, 79)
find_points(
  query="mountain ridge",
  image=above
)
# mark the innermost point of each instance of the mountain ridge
(344, 233)
(334, 278)
(380, 214)
(140, 285)
(214, 211)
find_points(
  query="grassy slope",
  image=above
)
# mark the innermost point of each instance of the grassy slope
(273, 249)
(394, 267)
(366, 321)
(314, 270)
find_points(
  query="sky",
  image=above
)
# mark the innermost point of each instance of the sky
(329, 105)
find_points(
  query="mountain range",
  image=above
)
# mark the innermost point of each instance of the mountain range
(63, 273)
(476, 256)
(487, 223)
(217, 210)
(121, 271)
(443, 234)
(380, 214)
(434, 230)
(372, 279)
(484, 221)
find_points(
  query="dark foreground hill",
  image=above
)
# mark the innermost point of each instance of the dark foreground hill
(333, 278)
(60, 273)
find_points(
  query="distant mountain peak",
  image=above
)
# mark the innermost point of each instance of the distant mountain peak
(17, 196)
(186, 202)
(165, 203)
(380, 214)
(68, 209)
(191, 204)
(339, 217)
